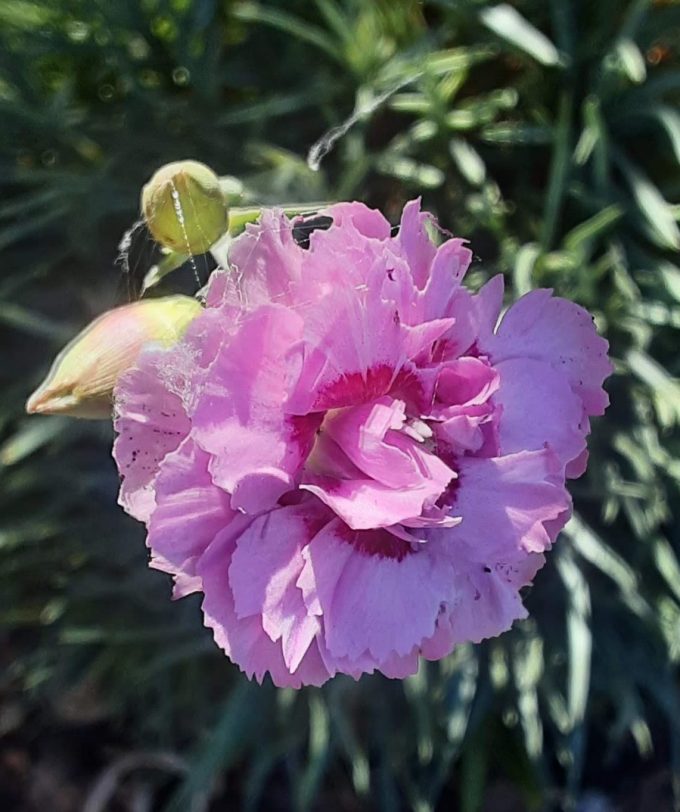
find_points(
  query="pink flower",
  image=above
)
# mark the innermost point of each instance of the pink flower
(349, 455)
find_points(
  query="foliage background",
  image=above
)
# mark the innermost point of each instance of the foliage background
(547, 133)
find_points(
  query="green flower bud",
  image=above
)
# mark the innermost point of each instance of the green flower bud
(81, 380)
(184, 207)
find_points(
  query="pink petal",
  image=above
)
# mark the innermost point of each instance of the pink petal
(244, 640)
(190, 510)
(364, 503)
(264, 568)
(273, 261)
(488, 303)
(538, 407)
(369, 436)
(462, 433)
(151, 422)
(368, 222)
(487, 603)
(504, 502)
(369, 603)
(347, 358)
(415, 242)
(239, 419)
(561, 333)
(577, 467)
(466, 381)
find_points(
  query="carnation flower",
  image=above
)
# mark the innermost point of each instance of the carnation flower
(348, 453)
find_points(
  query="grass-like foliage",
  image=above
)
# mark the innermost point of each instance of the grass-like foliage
(545, 131)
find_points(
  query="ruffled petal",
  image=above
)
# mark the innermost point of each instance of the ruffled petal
(538, 408)
(368, 222)
(415, 243)
(239, 416)
(244, 639)
(487, 603)
(365, 503)
(150, 422)
(264, 568)
(504, 502)
(274, 262)
(190, 511)
(372, 603)
(560, 333)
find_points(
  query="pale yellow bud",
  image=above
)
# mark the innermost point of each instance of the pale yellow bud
(81, 380)
(184, 207)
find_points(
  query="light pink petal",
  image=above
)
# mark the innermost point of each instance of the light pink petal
(370, 603)
(264, 568)
(190, 510)
(365, 503)
(560, 333)
(369, 435)
(265, 266)
(420, 338)
(487, 603)
(577, 467)
(348, 359)
(504, 502)
(183, 584)
(463, 433)
(239, 419)
(466, 381)
(368, 222)
(442, 296)
(415, 242)
(416, 387)
(538, 407)
(488, 304)
(461, 337)
(244, 640)
(406, 480)
(150, 422)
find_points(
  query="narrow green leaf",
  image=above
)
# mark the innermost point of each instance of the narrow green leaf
(20, 318)
(652, 205)
(508, 23)
(523, 267)
(666, 389)
(468, 161)
(592, 228)
(171, 262)
(579, 637)
(560, 165)
(33, 435)
(288, 24)
(631, 60)
(670, 274)
(319, 748)
(669, 119)
(234, 723)
(667, 564)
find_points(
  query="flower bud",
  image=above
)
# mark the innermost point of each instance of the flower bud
(81, 380)
(184, 207)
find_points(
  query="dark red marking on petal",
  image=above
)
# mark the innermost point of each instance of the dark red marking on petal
(355, 388)
(448, 498)
(378, 543)
(415, 387)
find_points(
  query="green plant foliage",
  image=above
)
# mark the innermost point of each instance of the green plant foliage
(548, 134)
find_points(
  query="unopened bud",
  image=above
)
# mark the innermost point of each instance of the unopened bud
(81, 380)
(184, 207)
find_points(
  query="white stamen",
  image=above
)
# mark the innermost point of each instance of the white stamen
(417, 429)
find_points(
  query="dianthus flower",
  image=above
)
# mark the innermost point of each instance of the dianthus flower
(348, 454)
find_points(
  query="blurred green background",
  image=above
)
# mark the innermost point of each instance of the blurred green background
(545, 131)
